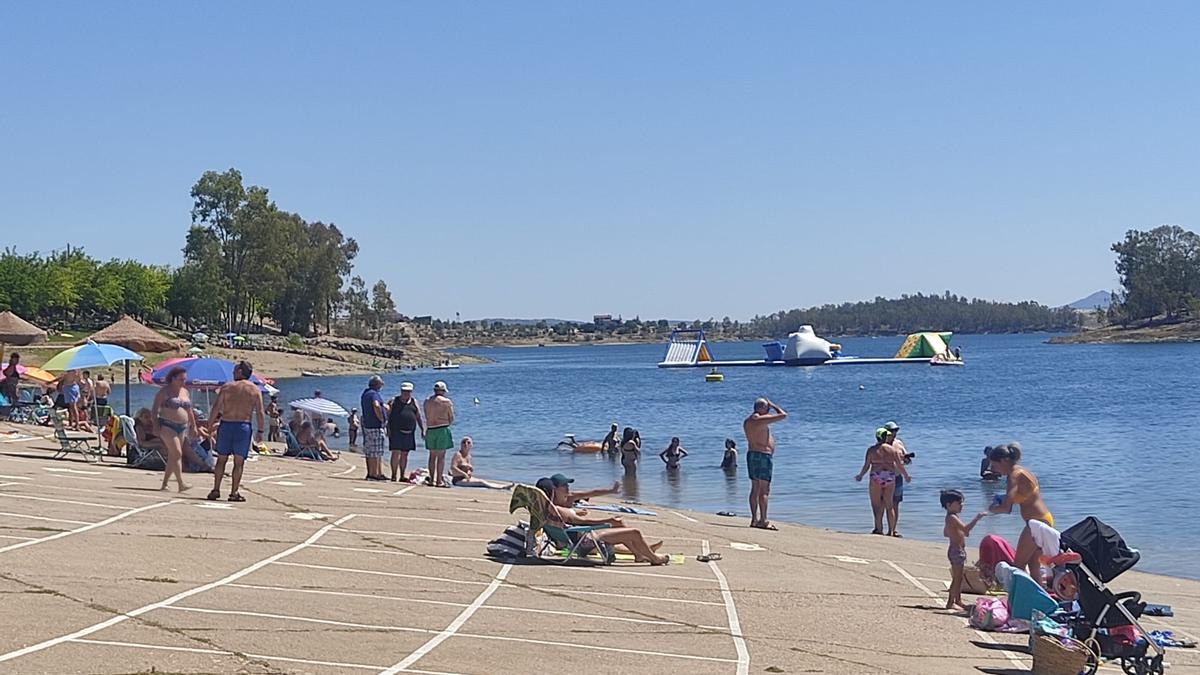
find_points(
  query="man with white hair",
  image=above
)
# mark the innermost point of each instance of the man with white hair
(374, 419)
(760, 458)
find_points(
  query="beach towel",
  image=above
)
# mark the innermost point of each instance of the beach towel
(532, 500)
(993, 549)
(511, 544)
(615, 508)
(1024, 594)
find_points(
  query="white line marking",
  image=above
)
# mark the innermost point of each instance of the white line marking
(119, 507)
(435, 520)
(687, 518)
(374, 490)
(56, 469)
(353, 499)
(572, 591)
(343, 473)
(454, 625)
(218, 652)
(1012, 657)
(15, 477)
(303, 619)
(402, 490)
(461, 508)
(114, 492)
(735, 626)
(84, 632)
(7, 484)
(413, 534)
(397, 575)
(44, 519)
(9, 536)
(445, 603)
(267, 478)
(609, 570)
(85, 528)
(577, 645)
(403, 553)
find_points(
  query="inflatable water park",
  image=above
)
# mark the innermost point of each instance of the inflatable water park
(689, 349)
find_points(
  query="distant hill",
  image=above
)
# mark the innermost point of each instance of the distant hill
(1101, 299)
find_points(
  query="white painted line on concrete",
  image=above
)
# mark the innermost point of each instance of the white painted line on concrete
(9, 536)
(343, 473)
(117, 507)
(1012, 657)
(267, 478)
(610, 570)
(368, 490)
(397, 575)
(462, 508)
(572, 591)
(577, 645)
(218, 652)
(403, 553)
(7, 484)
(735, 625)
(15, 477)
(144, 493)
(353, 499)
(687, 518)
(435, 520)
(445, 603)
(59, 469)
(402, 490)
(415, 535)
(450, 630)
(85, 529)
(44, 519)
(302, 619)
(84, 632)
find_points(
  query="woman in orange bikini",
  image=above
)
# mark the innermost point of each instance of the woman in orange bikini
(1024, 491)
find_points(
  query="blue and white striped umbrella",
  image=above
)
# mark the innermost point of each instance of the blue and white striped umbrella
(319, 406)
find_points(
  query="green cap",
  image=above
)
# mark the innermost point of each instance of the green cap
(881, 434)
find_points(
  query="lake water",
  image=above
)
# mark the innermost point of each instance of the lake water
(1106, 429)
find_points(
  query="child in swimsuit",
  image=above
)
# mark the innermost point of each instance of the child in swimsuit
(957, 532)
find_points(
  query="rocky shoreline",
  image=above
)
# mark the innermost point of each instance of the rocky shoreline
(1184, 331)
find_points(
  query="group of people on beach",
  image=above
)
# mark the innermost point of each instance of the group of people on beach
(76, 392)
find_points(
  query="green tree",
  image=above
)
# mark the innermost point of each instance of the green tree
(1159, 270)
(383, 308)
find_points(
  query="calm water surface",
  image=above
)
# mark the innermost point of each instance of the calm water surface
(1104, 427)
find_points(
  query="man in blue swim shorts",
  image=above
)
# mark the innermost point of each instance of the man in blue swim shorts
(760, 458)
(236, 402)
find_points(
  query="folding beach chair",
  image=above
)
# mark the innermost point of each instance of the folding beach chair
(151, 459)
(74, 442)
(578, 541)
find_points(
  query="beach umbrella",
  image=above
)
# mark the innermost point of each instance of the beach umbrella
(17, 331)
(319, 406)
(146, 374)
(204, 373)
(128, 332)
(90, 355)
(199, 337)
(195, 350)
(239, 338)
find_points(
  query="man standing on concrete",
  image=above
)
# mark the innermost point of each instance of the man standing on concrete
(404, 419)
(760, 457)
(439, 415)
(898, 496)
(374, 420)
(236, 402)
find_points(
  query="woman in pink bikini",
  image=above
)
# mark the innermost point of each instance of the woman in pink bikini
(885, 462)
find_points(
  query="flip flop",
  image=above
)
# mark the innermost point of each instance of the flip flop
(896, 535)
(236, 497)
(708, 557)
(877, 532)
(766, 526)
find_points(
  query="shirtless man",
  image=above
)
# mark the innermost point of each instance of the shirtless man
(235, 403)
(103, 389)
(439, 415)
(760, 456)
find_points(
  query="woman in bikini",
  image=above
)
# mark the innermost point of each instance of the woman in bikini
(174, 420)
(631, 450)
(619, 536)
(885, 462)
(1022, 490)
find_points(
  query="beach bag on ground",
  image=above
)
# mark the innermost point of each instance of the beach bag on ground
(1053, 655)
(989, 614)
(511, 544)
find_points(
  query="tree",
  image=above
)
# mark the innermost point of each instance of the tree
(1159, 270)
(383, 308)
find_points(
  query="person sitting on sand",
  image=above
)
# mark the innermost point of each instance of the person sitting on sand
(729, 461)
(673, 453)
(627, 539)
(885, 463)
(569, 498)
(309, 440)
(462, 472)
(143, 428)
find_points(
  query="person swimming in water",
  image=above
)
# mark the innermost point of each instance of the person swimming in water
(985, 467)
(1023, 490)
(672, 454)
(729, 461)
(631, 450)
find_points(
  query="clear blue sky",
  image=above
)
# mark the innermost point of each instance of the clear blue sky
(683, 159)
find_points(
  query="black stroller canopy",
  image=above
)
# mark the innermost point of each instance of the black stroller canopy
(1102, 548)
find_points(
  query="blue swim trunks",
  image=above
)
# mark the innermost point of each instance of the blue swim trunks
(233, 438)
(71, 394)
(760, 465)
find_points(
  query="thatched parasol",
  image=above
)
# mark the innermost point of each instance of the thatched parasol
(130, 334)
(17, 331)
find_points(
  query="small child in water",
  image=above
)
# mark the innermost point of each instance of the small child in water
(957, 532)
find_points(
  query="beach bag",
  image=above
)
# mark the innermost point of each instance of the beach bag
(989, 614)
(511, 544)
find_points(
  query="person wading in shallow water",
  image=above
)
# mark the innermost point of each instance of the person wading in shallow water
(760, 458)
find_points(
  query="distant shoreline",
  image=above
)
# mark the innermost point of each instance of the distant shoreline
(1173, 333)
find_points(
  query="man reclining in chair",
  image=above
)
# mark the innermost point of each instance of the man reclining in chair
(628, 539)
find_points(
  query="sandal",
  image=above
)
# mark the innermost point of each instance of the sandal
(876, 531)
(765, 525)
(236, 497)
(214, 495)
(896, 535)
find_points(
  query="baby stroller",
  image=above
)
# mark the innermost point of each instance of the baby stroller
(1106, 616)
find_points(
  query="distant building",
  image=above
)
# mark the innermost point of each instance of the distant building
(605, 321)
(423, 320)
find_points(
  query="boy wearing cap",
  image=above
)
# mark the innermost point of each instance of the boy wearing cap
(897, 496)
(403, 422)
(439, 415)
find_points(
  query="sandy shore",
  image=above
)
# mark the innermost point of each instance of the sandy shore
(322, 572)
